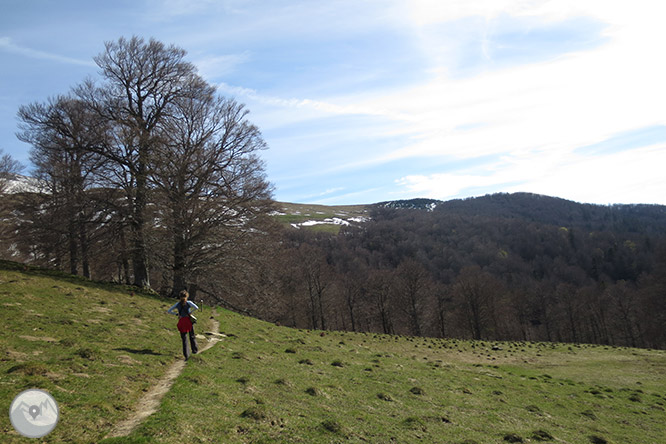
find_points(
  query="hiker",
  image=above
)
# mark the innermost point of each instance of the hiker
(182, 309)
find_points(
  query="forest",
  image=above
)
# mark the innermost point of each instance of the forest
(499, 267)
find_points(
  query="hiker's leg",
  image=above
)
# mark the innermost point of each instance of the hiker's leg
(193, 341)
(183, 337)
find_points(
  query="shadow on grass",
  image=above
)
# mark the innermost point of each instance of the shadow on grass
(145, 351)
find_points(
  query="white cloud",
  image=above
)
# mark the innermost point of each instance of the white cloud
(7, 44)
(575, 100)
(632, 176)
(214, 67)
(536, 115)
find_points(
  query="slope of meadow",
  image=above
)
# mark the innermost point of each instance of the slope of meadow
(320, 217)
(273, 384)
(97, 348)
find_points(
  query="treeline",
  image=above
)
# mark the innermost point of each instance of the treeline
(147, 176)
(502, 267)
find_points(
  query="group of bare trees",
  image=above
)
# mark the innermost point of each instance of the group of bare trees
(145, 168)
(447, 274)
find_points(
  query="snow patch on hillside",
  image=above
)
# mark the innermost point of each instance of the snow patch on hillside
(17, 183)
(332, 221)
(327, 221)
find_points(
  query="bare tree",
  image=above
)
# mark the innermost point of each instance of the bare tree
(316, 276)
(352, 288)
(380, 288)
(142, 80)
(622, 299)
(444, 301)
(213, 186)
(8, 168)
(63, 135)
(474, 289)
(412, 282)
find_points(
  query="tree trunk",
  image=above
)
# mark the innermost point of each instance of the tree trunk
(139, 256)
(179, 282)
(73, 247)
(83, 240)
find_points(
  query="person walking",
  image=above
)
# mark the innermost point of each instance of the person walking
(182, 309)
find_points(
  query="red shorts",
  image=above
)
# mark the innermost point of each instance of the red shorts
(184, 324)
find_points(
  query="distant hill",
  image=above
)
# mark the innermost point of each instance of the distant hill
(411, 204)
(525, 206)
(556, 211)
(547, 210)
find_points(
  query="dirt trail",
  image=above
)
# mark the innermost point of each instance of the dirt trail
(151, 400)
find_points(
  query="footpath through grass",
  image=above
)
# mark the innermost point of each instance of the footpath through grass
(95, 347)
(269, 384)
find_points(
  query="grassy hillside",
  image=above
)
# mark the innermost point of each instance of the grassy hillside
(319, 217)
(97, 349)
(272, 384)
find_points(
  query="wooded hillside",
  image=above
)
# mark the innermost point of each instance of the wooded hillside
(505, 267)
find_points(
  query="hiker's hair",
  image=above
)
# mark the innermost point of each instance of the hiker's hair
(184, 294)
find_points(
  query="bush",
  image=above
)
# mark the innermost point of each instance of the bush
(385, 397)
(257, 413)
(87, 353)
(332, 426)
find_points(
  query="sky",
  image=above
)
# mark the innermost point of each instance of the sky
(363, 101)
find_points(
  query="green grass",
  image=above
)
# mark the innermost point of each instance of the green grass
(300, 213)
(277, 385)
(100, 349)
(95, 347)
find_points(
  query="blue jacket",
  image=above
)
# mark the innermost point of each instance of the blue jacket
(176, 309)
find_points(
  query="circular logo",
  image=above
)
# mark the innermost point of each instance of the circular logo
(34, 413)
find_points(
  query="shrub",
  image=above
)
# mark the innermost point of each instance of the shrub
(257, 413)
(385, 397)
(312, 391)
(332, 426)
(86, 353)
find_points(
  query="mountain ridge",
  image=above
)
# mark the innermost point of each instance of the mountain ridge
(529, 206)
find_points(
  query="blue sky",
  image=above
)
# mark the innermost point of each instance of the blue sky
(365, 101)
